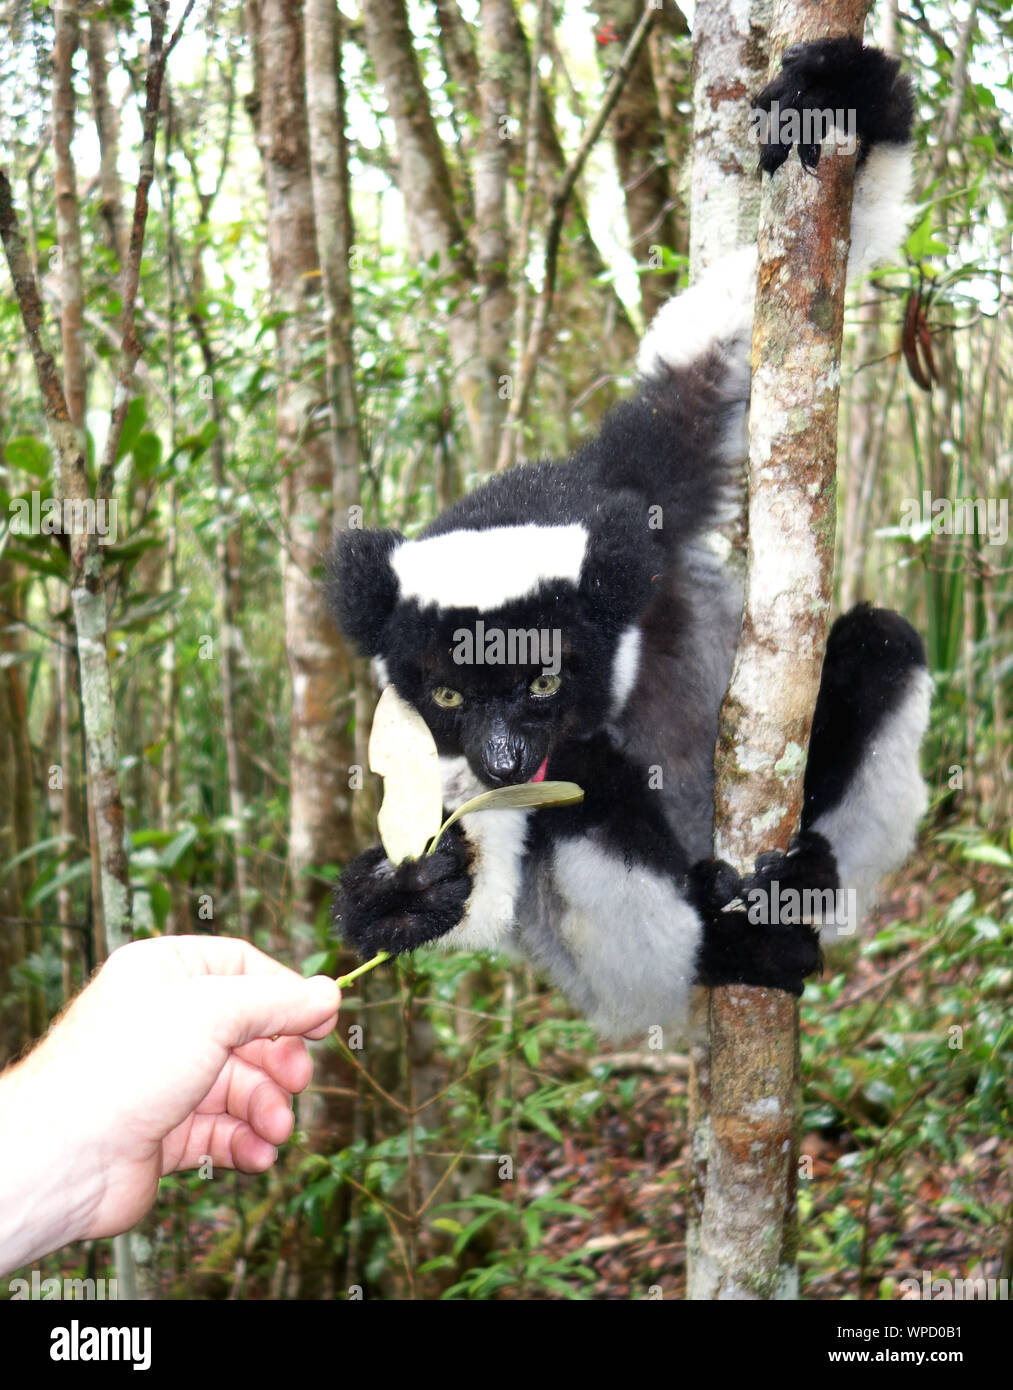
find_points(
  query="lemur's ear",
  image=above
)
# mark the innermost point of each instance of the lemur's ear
(362, 587)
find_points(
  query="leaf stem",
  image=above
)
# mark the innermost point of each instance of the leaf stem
(378, 959)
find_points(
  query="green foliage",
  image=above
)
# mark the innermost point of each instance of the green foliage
(917, 1079)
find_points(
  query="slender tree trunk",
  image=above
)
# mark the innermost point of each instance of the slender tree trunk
(72, 333)
(107, 127)
(638, 144)
(335, 240)
(15, 1028)
(495, 148)
(747, 1234)
(434, 227)
(71, 944)
(68, 228)
(320, 830)
(729, 63)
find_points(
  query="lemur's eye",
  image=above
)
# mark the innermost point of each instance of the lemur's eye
(447, 698)
(544, 685)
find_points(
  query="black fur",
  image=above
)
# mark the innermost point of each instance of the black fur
(871, 654)
(386, 908)
(839, 75)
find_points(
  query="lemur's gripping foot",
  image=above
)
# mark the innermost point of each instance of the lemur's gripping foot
(862, 87)
(747, 944)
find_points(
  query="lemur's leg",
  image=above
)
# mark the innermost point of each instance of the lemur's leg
(863, 788)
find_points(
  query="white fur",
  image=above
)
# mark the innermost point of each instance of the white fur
(486, 569)
(625, 668)
(497, 838)
(872, 828)
(629, 943)
(717, 312)
(880, 212)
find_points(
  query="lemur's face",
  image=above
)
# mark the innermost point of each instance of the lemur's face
(502, 696)
(509, 640)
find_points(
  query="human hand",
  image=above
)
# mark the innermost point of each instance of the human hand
(164, 1059)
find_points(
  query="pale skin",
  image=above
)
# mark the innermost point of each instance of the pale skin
(165, 1060)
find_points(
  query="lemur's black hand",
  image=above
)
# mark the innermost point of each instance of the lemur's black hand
(864, 85)
(380, 907)
(747, 944)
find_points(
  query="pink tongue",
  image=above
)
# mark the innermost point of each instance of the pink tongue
(540, 774)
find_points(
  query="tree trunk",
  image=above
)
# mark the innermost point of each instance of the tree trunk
(335, 239)
(747, 1233)
(495, 146)
(107, 127)
(434, 227)
(639, 145)
(729, 63)
(68, 229)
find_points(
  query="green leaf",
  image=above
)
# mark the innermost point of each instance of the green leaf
(147, 452)
(37, 848)
(171, 854)
(542, 1122)
(922, 243)
(447, 1223)
(161, 901)
(501, 798)
(28, 453)
(46, 890)
(137, 413)
(314, 964)
(989, 854)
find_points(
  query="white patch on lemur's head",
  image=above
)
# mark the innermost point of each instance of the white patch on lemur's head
(486, 569)
(625, 667)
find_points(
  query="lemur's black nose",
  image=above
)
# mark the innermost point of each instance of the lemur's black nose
(501, 759)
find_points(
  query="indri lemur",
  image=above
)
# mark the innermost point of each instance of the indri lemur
(616, 898)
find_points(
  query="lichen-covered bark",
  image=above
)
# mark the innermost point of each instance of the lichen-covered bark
(496, 147)
(729, 61)
(803, 250)
(729, 64)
